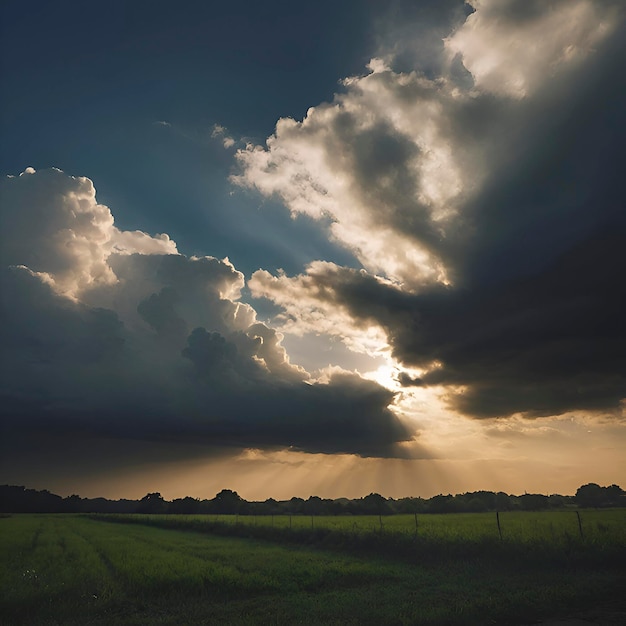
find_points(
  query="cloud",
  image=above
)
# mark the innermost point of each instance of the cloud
(112, 334)
(397, 161)
(512, 46)
(492, 212)
(358, 162)
(540, 345)
(52, 224)
(219, 132)
(310, 305)
(481, 194)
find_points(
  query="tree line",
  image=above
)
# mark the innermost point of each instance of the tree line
(19, 499)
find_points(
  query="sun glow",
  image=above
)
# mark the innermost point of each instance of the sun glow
(386, 375)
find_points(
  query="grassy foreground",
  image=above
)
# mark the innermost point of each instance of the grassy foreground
(68, 569)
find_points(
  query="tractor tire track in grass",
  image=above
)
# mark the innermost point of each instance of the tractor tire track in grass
(153, 567)
(104, 559)
(45, 577)
(19, 578)
(36, 535)
(94, 565)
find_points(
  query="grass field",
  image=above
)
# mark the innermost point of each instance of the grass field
(596, 526)
(70, 569)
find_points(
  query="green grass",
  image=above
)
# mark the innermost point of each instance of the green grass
(69, 569)
(537, 537)
(518, 526)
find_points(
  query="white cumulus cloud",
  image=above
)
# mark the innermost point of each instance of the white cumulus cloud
(53, 224)
(511, 47)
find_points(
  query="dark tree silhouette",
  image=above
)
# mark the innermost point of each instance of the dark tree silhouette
(17, 499)
(592, 495)
(227, 501)
(152, 503)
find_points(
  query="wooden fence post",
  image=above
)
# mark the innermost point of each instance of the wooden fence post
(498, 521)
(580, 525)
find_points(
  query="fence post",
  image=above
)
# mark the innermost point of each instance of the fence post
(498, 521)
(415, 513)
(580, 525)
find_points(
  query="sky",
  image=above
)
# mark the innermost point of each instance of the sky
(326, 248)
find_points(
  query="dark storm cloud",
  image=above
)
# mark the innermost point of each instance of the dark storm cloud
(159, 311)
(159, 350)
(71, 369)
(348, 414)
(540, 345)
(555, 178)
